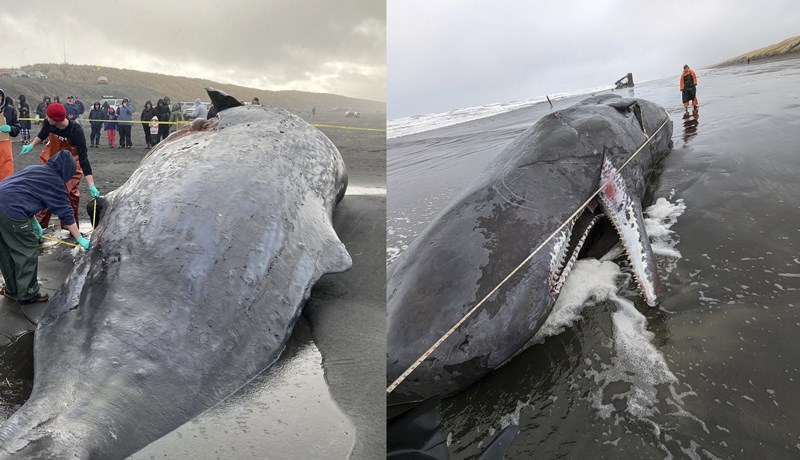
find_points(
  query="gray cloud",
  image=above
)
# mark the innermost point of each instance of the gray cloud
(452, 53)
(307, 45)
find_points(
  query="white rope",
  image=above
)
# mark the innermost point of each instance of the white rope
(447, 334)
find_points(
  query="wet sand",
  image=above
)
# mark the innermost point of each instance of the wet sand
(725, 330)
(314, 383)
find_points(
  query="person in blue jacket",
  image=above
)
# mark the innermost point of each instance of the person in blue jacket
(21, 196)
(125, 114)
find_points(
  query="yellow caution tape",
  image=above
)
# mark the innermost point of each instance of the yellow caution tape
(349, 127)
(119, 121)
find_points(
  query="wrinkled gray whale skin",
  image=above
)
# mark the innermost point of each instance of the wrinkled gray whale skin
(529, 190)
(198, 271)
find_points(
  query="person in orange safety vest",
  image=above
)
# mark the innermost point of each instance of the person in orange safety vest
(689, 88)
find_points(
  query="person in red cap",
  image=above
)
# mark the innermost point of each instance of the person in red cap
(63, 134)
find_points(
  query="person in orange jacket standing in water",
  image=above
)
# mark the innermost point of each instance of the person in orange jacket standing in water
(63, 134)
(689, 88)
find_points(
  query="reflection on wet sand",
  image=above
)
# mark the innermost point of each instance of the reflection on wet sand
(690, 122)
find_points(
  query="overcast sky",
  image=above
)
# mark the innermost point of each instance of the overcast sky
(448, 54)
(308, 45)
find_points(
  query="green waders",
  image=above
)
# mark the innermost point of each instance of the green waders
(19, 258)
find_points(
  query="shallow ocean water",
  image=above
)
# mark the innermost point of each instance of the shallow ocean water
(714, 370)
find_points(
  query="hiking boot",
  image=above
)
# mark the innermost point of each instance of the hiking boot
(39, 298)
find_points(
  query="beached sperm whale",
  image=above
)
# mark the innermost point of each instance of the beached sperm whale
(529, 190)
(200, 266)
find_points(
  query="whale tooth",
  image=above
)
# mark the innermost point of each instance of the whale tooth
(558, 257)
(575, 252)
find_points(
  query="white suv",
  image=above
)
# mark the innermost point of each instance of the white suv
(115, 102)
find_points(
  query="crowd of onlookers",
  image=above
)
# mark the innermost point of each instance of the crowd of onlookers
(157, 122)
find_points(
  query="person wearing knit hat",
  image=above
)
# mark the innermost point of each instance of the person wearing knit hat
(56, 113)
(64, 134)
(11, 127)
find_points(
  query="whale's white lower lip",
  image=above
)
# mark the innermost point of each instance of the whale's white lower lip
(366, 190)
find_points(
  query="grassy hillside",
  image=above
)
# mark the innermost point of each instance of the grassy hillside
(782, 49)
(66, 79)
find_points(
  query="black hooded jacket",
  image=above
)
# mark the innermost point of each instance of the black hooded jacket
(97, 116)
(147, 114)
(24, 112)
(10, 113)
(162, 111)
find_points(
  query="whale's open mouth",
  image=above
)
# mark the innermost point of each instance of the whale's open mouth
(616, 206)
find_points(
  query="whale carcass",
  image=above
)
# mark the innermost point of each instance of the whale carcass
(533, 187)
(200, 266)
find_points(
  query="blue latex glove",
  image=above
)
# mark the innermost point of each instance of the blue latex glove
(26, 149)
(86, 244)
(93, 191)
(37, 229)
(5, 129)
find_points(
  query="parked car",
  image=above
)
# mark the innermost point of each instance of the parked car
(19, 73)
(37, 74)
(352, 114)
(188, 109)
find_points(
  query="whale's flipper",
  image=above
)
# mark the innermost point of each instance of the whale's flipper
(220, 101)
(626, 214)
(335, 258)
(625, 105)
(622, 104)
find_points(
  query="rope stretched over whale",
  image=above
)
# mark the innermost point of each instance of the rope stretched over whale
(580, 209)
